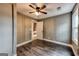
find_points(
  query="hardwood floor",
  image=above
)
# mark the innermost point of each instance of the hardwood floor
(43, 48)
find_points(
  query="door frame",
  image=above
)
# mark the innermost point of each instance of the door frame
(14, 31)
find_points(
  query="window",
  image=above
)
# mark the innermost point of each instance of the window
(75, 27)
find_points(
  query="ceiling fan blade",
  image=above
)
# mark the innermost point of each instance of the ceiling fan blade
(31, 6)
(44, 6)
(43, 12)
(31, 12)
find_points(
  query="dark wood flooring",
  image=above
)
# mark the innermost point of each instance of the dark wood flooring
(43, 48)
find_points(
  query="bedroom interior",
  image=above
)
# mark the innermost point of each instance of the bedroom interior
(45, 30)
(39, 29)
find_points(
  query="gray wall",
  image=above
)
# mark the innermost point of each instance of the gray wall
(58, 28)
(6, 28)
(49, 28)
(23, 28)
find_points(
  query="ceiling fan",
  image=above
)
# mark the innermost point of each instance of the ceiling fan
(38, 10)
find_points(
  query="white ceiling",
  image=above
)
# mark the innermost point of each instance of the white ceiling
(51, 9)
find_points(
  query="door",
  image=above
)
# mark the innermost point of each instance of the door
(34, 31)
(5, 29)
(37, 30)
(40, 30)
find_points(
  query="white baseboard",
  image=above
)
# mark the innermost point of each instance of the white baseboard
(69, 45)
(74, 51)
(60, 43)
(23, 43)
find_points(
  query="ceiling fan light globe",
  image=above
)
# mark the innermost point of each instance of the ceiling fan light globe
(37, 13)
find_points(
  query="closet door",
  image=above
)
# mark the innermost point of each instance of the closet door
(34, 31)
(5, 29)
(39, 30)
